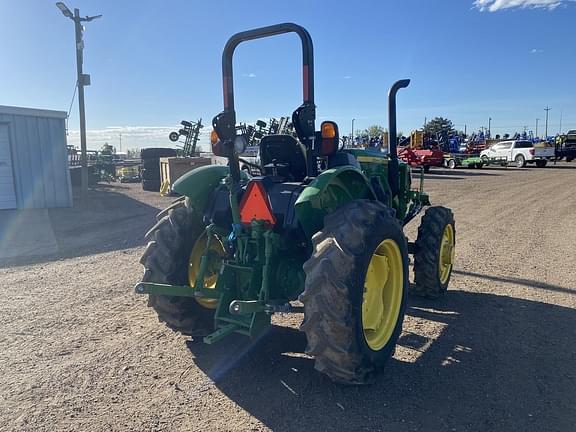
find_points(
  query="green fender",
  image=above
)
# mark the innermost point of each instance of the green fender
(199, 183)
(329, 190)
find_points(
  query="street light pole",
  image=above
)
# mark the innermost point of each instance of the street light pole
(352, 137)
(81, 81)
(536, 134)
(546, 133)
(80, 84)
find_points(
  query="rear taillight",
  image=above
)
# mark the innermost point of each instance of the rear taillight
(531, 151)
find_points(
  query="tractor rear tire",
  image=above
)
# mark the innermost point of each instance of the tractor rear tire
(166, 261)
(541, 163)
(431, 274)
(336, 280)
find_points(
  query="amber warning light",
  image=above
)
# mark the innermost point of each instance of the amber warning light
(255, 205)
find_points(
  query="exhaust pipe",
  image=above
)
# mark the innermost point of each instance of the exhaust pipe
(393, 139)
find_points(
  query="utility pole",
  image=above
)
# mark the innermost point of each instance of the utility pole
(489, 127)
(81, 81)
(560, 128)
(536, 134)
(120, 142)
(546, 133)
(352, 137)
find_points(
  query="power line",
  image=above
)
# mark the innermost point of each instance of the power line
(70, 107)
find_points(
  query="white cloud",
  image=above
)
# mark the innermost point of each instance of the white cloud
(347, 77)
(496, 5)
(249, 75)
(132, 137)
(536, 51)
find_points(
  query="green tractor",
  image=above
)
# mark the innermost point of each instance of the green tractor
(322, 225)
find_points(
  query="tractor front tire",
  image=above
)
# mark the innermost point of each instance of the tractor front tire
(434, 253)
(355, 291)
(166, 261)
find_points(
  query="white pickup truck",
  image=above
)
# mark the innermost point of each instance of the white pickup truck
(520, 152)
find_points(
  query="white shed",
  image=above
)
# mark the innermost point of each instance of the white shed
(33, 159)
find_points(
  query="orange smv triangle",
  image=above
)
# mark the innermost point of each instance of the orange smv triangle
(255, 204)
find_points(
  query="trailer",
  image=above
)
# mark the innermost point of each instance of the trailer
(421, 157)
(455, 160)
(467, 160)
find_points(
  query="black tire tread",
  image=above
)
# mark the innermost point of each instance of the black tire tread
(330, 316)
(426, 276)
(166, 261)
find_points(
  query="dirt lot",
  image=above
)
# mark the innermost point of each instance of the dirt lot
(80, 351)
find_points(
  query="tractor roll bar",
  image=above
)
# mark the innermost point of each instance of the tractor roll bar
(392, 148)
(262, 32)
(225, 122)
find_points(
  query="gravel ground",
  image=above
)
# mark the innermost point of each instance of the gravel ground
(80, 351)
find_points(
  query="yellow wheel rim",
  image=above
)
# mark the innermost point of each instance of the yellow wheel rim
(383, 289)
(446, 258)
(215, 255)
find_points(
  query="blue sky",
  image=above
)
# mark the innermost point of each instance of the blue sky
(154, 63)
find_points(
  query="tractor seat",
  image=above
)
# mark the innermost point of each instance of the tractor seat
(282, 155)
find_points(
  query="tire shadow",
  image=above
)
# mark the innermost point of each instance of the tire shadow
(110, 219)
(497, 363)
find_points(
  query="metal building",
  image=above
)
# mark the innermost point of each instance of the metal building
(33, 159)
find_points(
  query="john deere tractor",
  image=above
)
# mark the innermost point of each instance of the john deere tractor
(321, 225)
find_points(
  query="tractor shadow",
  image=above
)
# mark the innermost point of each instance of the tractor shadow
(456, 174)
(561, 165)
(111, 219)
(495, 363)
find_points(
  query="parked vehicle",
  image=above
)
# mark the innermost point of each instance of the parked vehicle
(565, 146)
(521, 152)
(129, 174)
